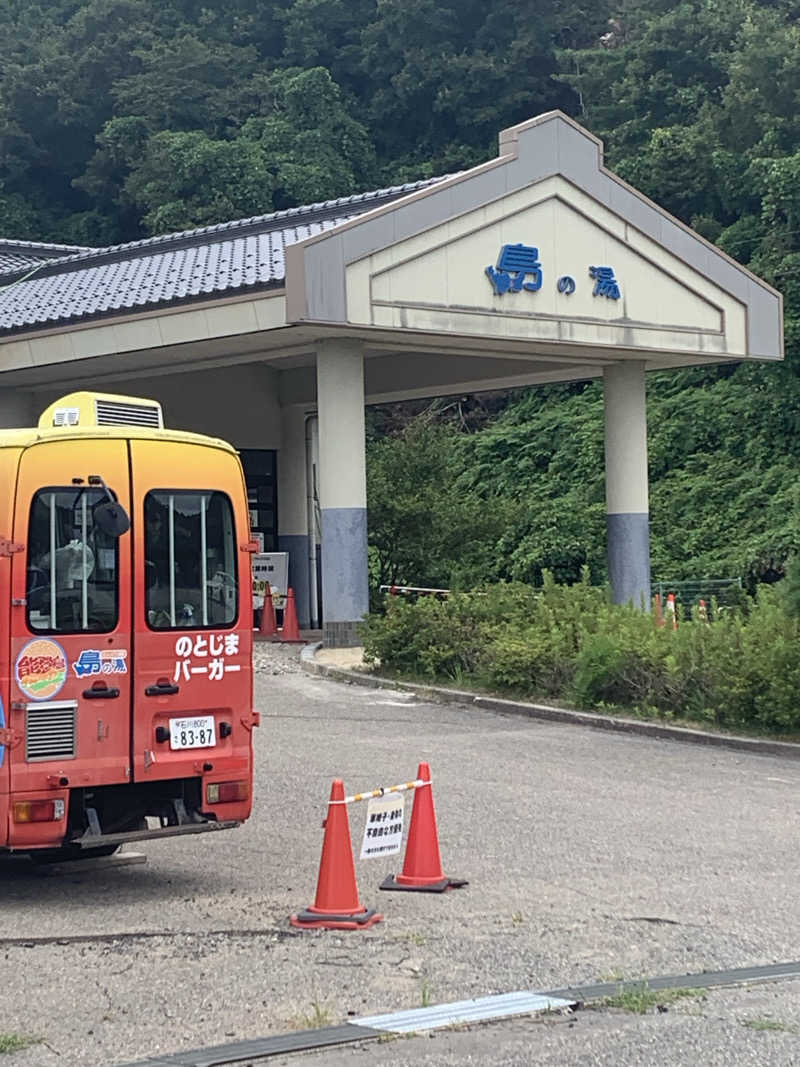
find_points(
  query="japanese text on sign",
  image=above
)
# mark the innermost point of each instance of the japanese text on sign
(605, 284)
(383, 832)
(205, 655)
(520, 268)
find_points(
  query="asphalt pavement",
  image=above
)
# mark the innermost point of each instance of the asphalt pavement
(590, 856)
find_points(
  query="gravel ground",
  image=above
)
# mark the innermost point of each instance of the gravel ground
(588, 855)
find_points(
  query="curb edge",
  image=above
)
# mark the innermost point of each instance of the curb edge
(548, 713)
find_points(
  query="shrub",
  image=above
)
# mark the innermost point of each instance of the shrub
(740, 671)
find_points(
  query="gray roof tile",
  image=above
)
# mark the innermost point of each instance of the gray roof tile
(22, 255)
(71, 284)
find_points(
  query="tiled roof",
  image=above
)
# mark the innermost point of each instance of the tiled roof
(176, 268)
(22, 255)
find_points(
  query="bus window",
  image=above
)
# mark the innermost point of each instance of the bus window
(71, 583)
(190, 560)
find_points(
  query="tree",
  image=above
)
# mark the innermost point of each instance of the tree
(183, 180)
(425, 527)
(315, 149)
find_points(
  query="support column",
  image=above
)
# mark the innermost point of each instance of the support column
(627, 506)
(292, 507)
(343, 490)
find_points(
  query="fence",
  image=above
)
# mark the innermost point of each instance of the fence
(414, 591)
(724, 591)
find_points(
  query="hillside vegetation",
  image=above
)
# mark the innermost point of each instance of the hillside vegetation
(123, 118)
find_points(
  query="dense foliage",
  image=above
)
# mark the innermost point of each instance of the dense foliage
(525, 491)
(740, 671)
(122, 118)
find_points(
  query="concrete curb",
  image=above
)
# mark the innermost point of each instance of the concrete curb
(547, 713)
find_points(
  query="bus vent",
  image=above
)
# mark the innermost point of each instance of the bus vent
(123, 413)
(50, 730)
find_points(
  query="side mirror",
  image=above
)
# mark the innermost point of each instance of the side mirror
(112, 518)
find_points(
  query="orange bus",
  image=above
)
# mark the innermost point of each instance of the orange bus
(126, 698)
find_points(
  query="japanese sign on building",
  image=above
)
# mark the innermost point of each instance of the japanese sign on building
(605, 284)
(520, 269)
(383, 832)
(206, 655)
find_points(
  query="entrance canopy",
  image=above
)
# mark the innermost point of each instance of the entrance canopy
(538, 266)
(273, 332)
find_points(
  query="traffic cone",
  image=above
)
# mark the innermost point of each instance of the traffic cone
(268, 627)
(659, 615)
(422, 865)
(289, 633)
(336, 905)
(671, 610)
(702, 611)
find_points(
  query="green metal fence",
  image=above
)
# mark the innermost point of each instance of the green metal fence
(688, 594)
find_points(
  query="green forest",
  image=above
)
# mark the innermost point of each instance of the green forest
(125, 118)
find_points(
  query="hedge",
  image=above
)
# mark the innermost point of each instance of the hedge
(569, 643)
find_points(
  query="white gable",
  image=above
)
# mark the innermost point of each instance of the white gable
(419, 265)
(439, 280)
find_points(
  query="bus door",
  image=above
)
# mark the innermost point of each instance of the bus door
(70, 664)
(9, 458)
(192, 673)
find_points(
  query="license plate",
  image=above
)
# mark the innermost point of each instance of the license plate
(198, 731)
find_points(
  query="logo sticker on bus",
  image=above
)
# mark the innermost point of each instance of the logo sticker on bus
(101, 661)
(41, 669)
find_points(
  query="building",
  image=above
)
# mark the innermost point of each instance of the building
(273, 332)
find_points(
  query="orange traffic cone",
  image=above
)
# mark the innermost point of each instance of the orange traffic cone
(268, 627)
(422, 866)
(289, 633)
(702, 611)
(671, 610)
(336, 905)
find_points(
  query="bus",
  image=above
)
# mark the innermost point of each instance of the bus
(126, 690)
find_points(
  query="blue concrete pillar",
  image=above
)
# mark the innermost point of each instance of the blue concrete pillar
(292, 506)
(627, 506)
(342, 490)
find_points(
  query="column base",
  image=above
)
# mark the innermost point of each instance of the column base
(629, 559)
(341, 634)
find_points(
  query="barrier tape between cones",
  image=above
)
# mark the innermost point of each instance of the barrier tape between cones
(382, 791)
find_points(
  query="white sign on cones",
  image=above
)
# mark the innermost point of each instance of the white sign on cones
(383, 832)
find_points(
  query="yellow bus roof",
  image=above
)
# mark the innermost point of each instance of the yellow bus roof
(24, 438)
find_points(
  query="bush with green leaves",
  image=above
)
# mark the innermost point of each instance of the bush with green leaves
(741, 671)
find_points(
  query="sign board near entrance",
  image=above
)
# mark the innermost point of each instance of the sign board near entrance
(383, 833)
(272, 567)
